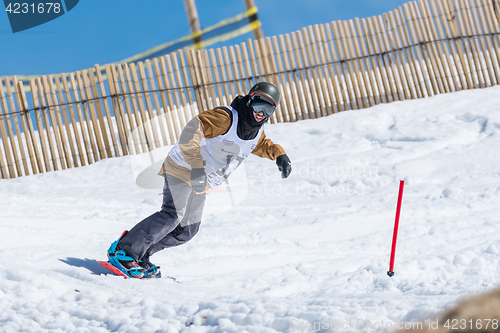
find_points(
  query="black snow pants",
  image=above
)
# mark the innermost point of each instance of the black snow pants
(176, 223)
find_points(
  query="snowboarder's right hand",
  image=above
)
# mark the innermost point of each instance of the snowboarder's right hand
(198, 180)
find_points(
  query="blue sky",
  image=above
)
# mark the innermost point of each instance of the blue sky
(104, 31)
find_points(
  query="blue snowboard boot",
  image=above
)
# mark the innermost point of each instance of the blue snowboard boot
(126, 264)
(151, 270)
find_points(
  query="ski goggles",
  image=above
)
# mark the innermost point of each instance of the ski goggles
(260, 106)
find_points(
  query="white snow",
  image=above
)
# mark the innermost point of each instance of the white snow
(311, 251)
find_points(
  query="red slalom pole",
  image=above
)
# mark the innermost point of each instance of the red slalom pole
(396, 226)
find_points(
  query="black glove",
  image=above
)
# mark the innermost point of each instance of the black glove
(284, 165)
(198, 180)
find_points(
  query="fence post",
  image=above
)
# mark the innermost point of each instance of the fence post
(3, 165)
(38, 118)
(130, 111)
(72, 115)
(293, 86)
(185, 83)
(171, 84)
(171, 110)
(100, 87)
(27, 126)
(285, 91)
(6, 133)
(147, 98)
(350, 95)
(217, 81)
(57, 122)
(10, 130)
(178, 85)
(205, 81)
(15, 115)
(156, 101)
(97, 103)
(72, 145)
(191, 58)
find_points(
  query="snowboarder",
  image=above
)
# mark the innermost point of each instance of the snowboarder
(211, 146)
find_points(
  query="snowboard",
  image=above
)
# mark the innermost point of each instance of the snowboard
(117, 272)
(112, 268)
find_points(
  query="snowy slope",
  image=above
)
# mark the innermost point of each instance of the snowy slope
(313, 248)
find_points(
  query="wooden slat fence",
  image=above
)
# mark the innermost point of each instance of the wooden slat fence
(417, 50)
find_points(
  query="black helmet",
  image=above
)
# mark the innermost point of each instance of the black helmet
(264, 97)
(266, 92)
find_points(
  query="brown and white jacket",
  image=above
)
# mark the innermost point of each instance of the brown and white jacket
(210, 124)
